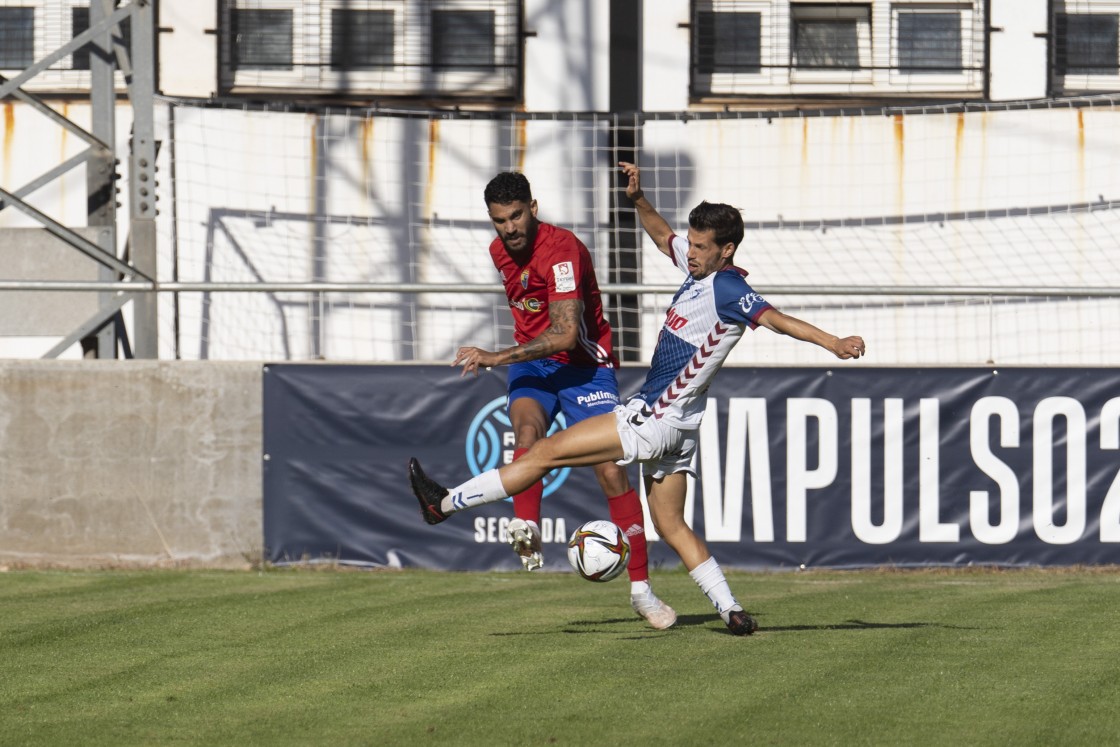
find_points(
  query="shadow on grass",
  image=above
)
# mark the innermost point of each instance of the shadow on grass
(635, 627)
(701, 620)
(583, 627)
(857, 625)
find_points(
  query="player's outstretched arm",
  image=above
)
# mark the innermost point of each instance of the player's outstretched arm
(657, 227)
(784, 324)
(562, 334)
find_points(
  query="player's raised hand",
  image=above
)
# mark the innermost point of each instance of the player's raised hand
(634, 183)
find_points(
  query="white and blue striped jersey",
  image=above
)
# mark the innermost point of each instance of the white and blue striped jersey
(704, 322)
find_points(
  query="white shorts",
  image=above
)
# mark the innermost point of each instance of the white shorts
(660, 448)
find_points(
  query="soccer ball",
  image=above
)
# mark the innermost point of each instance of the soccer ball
(598, 550)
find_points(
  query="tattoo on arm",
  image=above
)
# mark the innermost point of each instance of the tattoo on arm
(562, 333)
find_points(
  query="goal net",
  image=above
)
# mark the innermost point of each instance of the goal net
(943, 235)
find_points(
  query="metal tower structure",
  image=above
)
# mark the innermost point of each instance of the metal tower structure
(103, 333)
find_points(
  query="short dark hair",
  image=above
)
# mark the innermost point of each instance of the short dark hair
(507, 187)
(724, 220)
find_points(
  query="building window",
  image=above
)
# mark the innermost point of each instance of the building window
(929, 42)
(458, 49)
(262, 39)
(17, 38)
(361, 39)
(830, 37)
(30, 30)
(727, 43)
(1087, 44)
(749, 49)
(463, 39)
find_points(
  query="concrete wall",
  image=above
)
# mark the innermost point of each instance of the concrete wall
(130, 463)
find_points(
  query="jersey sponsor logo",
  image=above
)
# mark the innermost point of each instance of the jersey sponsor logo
(525, 278)
(529, 304)
(490, 441)
(747, 302)
(565, 277)
(674, 321)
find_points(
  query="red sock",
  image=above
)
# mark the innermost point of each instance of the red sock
(527, 504)
(626, 512)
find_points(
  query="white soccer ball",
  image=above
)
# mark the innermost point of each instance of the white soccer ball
(598, 550)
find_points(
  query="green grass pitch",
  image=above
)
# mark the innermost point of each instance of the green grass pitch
(301, 657)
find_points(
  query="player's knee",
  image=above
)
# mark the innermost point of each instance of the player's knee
(542, 453)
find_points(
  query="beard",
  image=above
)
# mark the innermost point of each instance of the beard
(522, 241)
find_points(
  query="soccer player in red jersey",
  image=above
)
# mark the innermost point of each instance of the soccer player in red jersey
(562, 362)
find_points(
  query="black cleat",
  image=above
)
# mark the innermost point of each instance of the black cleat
(429, 492)
(740, 623)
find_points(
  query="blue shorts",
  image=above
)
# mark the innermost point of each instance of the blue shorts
(578, 392)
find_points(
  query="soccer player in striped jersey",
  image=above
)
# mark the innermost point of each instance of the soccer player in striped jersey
(658, 427)
(562, 362)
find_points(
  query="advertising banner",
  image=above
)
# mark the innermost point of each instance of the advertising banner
(844, 467)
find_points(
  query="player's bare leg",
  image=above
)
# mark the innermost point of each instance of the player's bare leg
(586, 443)
(666, 506)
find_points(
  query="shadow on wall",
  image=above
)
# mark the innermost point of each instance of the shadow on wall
(376, 220)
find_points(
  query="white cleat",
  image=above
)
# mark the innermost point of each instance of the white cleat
(525, 539)
(658, 614)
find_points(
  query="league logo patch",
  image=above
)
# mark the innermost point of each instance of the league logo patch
(565, 277)
(490, 440)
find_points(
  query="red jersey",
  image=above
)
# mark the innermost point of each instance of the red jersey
(558, 267)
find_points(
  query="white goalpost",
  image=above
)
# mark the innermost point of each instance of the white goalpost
(955, 235)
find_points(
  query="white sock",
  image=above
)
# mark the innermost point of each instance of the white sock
(709, 577)
(485, 488)
(639, 588)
